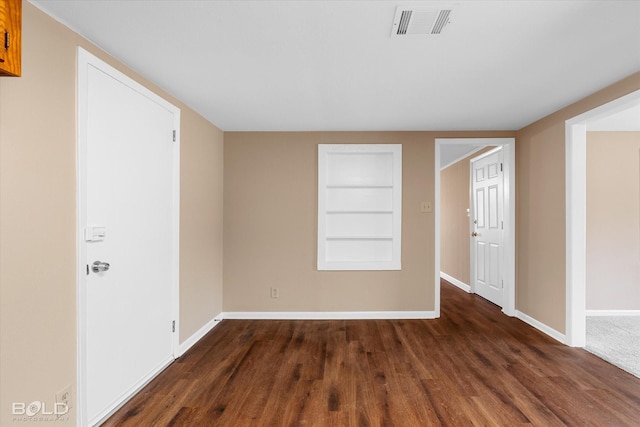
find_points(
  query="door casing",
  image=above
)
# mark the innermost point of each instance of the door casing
(576, 215)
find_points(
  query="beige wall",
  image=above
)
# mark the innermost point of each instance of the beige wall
(38, 222)
(270, 233)
(270, 212)
(201, 192)
(613, 221)
(540, 208)
(455, 257)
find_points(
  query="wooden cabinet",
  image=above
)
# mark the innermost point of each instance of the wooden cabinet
(10, 37)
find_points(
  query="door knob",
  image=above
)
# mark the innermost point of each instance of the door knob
(99, 266)
(474, 234)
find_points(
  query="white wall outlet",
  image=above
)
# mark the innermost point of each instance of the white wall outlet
(275, 293)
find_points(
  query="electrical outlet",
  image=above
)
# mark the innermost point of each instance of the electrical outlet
(65, 396)
(275, 293)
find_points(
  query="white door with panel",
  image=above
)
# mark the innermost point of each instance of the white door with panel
(487, 197)
(127, 161)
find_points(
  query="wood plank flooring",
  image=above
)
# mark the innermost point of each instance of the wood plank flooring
(472, 366)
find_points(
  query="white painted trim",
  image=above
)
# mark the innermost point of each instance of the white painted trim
(509, 160)
(122, 400)
(436, 249)
(576, 229)
(456, 282)
(328, 315)
(395, 263)
(597, 313)
(197, 336)
(175, 228)
(576, 224)
(85, 60)
(81, 253)
(486, 154)
(464, 156)
(541, 326)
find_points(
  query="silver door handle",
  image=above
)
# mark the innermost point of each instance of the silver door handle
(99, 266)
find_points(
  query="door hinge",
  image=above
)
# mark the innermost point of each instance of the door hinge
(87, 269)
(502, 224)
(500, 163)
(174, 137)
(173, 326)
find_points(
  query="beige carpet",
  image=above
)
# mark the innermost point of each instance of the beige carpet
(615, 339)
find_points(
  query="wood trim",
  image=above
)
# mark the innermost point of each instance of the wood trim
(11, 25)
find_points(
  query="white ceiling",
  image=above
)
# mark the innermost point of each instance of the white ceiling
(450, 154)
(625, 120)
(333, 65)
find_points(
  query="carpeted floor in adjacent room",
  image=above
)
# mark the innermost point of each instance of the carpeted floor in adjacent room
(615, 339)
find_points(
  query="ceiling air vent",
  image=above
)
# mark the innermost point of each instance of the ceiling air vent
(419, 22)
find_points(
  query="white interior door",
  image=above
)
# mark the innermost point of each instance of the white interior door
(487, 196)
(127, 163)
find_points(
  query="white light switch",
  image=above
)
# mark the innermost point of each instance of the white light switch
(95, 234)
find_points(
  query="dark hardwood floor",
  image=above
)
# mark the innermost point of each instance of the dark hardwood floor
(472, 366)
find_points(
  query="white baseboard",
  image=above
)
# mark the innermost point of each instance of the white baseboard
(612, 313)
(541, 327)
(124, 397)
(189, 342)
(328, 315)
(456, 282)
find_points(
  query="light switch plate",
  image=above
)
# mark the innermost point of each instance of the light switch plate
(95, 234)
(426, 207)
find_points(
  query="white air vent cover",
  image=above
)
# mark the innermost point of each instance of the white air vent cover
(419, 22)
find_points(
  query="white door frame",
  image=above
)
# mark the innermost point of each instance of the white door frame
(509, 158)
(84, 61)
(576, 216)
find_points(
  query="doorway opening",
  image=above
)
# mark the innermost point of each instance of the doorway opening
(507, 257)
(576, 215)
